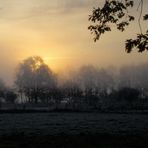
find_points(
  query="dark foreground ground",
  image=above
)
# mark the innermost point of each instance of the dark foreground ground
(73, 130)
(74, 141)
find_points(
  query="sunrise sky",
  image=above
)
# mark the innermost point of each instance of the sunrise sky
(57, 31)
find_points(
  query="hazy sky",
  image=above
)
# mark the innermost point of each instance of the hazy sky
(57, 31)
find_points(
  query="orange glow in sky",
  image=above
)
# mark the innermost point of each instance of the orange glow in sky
(57, 31)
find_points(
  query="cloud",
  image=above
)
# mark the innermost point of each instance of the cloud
(26, 9)
(77, 3)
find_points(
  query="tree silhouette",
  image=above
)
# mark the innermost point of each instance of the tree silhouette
(116, 12)
(10, 96)
(2, 90)
(35, 79)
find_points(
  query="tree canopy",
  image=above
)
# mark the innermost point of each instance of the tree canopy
(116, 12)
(34, 78)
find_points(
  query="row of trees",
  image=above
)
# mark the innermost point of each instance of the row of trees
(89, 86)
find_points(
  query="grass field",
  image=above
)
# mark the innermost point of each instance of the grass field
(74, 130)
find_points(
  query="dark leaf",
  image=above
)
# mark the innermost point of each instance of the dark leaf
(145, 17)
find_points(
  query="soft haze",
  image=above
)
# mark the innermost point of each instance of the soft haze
(57, 31)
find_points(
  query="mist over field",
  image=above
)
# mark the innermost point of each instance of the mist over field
(86, 88)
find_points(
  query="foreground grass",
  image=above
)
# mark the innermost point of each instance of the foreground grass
(73, 130)
(74, 141)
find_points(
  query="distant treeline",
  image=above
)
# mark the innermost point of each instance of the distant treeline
(86, 88)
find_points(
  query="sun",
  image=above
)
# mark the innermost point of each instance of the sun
(52, 63)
